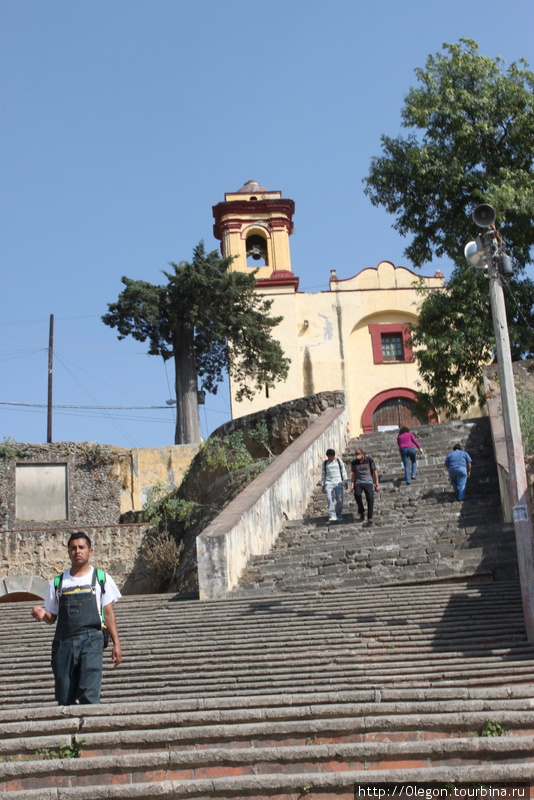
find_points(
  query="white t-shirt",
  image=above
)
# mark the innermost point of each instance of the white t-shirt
(110, 595)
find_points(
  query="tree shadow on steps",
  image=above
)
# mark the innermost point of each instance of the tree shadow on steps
(485, 624)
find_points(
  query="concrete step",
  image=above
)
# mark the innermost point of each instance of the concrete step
(184, 741)
(355, 553)
(418, 635)
(436, 440)
(325, 780)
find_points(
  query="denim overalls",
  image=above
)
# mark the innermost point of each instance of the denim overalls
(78, 646)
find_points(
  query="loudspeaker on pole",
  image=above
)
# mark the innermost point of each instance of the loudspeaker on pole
(484, 215)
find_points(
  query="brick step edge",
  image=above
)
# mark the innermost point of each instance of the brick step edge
(306, 784)
(371, 714)
(257, 759)
(176, 735)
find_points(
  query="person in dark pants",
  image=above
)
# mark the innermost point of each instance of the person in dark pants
(77, 602)
(333, 478)
(407, 443)
(364, 477)
(458, 463)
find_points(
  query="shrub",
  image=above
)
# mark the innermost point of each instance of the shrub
(162, 508)
(525, 407)
(10, 449)
(161, 554)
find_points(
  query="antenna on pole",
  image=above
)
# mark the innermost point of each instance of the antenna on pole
(50, 371)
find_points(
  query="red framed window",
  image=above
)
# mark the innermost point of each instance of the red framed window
(391, 342)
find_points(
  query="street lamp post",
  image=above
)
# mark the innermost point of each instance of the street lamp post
(487, 253)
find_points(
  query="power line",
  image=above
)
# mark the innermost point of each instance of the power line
(64, 361)
(69, 405)
(507, 286)
(87, 391)
(18, 356)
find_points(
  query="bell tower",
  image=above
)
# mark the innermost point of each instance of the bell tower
(254, 225)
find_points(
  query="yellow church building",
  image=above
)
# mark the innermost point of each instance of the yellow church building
(354, 336)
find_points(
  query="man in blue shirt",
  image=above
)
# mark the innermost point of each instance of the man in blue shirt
(458, 462)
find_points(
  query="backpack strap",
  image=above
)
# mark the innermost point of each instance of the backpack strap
(58, 583)
(100, 576)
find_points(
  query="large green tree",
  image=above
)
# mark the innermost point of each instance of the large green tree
(209, 320)
(454, 337)
(470, 123)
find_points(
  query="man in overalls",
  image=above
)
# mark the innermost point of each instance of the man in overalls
(78, 645)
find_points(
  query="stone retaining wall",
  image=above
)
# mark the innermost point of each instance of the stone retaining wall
(102, 485)
(251, 523)
(29, 558)
(285, 422)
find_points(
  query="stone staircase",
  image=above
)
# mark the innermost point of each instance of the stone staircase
(312, 685)
(420, 532)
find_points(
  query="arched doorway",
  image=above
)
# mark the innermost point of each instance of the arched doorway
(20, 597)
(395, 413)
(17, 588)
(391, 409)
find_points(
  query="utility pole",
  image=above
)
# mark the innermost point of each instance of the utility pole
(50, 372)
(488, 253)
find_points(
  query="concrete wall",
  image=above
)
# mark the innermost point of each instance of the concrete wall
(41, 492)
(523, 381)
(158, 465)
(251, 523)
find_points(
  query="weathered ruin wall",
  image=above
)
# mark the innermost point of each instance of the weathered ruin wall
(94, 483)
(29, 558)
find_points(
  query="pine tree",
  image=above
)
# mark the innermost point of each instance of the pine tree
(209, 320)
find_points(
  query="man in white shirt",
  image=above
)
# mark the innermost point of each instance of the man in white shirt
(334, 478)
(77, 601)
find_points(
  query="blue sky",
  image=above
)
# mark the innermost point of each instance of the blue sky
(124, 121)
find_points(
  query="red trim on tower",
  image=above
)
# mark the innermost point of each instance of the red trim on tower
(280, 277)
(247, 210)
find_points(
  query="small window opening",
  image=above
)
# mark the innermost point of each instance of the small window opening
(392, 347)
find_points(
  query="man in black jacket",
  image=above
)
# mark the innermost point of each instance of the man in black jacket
(364, 478)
